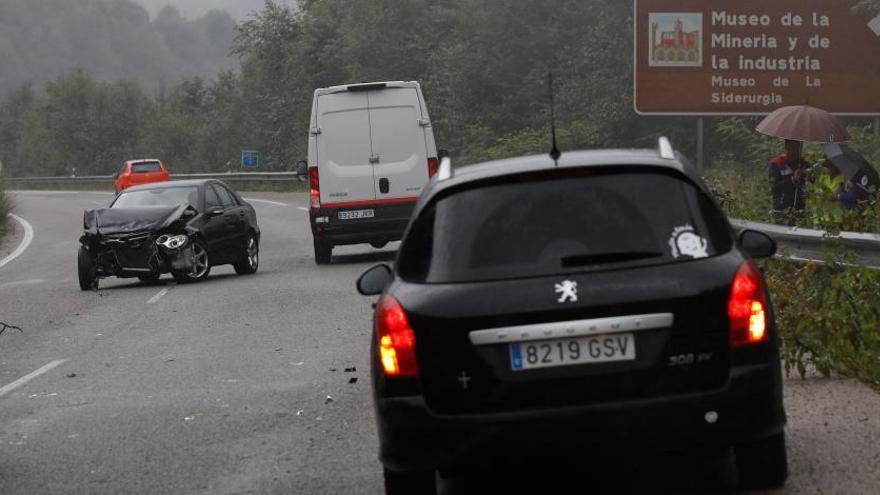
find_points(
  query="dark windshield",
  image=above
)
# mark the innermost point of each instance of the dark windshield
(551, 227)
(147, 167)
(164, 196)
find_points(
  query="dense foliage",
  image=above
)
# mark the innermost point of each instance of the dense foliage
(483, 66)
(43, 39)
(829, 317)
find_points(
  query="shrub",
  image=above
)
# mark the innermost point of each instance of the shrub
(829, 317)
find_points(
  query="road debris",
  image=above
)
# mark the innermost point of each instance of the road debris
(351, 370)
(7, 326)
(71, 375)
(328, 400)
(353, 379)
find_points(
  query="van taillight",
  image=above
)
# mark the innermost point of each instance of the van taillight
(315, 186)
(433, 166)
(747, 306)
(397, 341)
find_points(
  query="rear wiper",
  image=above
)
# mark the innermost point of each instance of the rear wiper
(600, 258)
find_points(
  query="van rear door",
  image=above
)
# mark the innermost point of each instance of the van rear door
(400, 154)
(342, 135)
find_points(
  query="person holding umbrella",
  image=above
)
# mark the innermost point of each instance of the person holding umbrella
(796, 124)
(788, 182)
(862, 180)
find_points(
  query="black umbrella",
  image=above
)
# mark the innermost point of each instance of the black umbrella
(853, 165)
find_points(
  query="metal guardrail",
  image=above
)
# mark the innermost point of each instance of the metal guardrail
(801, 244)
(231, 177)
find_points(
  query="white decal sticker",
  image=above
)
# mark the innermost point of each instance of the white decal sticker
(685, 242)
(568, 290)
(875, 25)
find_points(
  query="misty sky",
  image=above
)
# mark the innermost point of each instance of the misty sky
(195, 8)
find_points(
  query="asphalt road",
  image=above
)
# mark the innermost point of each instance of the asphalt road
(238, 384)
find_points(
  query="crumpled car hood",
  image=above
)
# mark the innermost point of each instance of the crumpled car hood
(124, 220)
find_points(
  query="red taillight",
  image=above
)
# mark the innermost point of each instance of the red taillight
(747, 306)
(433, 166)
(397, 341)
(315, 186)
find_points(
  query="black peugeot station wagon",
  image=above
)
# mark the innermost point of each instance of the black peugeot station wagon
(601, 300)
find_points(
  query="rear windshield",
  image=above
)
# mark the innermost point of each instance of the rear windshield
(144, 168)
(559, 226)
(163, 196)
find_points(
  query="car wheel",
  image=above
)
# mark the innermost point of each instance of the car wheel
(87, 267)
(762, 464)
(201, 265)
(250, 258)
(410, 482)
(323, 252)
(379, 244)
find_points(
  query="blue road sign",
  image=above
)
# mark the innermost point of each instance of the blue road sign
(250, 159)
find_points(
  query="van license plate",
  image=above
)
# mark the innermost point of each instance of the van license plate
(566, 352)
(353, 214)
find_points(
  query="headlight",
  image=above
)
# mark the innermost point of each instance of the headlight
(172, 241)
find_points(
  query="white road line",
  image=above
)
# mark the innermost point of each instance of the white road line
(276, 203)
(28, 237)
(303, 208)
(155, 299)
(17, 283)
(30, 376)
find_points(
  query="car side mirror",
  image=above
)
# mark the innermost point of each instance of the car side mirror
(757, 244)
(302, 171)
(374, 280)
(215, 211)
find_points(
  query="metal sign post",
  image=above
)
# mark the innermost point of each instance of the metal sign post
(700, 144)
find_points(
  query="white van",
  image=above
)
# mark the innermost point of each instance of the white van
(371, 151)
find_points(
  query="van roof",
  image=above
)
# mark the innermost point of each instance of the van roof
(366, 86)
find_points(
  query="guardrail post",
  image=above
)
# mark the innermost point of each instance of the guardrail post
(700, 145)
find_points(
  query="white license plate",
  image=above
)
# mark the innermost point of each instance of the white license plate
(566, 352)
(353, 214)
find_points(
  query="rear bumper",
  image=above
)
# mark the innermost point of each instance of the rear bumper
(387, 224)
(748, 407)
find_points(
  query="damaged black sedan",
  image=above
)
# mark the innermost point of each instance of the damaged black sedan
(182, 227)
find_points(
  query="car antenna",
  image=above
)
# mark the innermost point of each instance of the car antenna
(554, 152)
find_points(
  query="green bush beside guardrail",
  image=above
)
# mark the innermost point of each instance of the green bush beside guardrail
(829, 317)
(5, 208)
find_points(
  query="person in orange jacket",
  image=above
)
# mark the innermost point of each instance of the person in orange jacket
(788, 182)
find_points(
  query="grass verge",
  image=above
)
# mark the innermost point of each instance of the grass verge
(5, 209)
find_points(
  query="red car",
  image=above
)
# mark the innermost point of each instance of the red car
(136, 172)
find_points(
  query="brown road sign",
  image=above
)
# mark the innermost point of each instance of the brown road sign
(717, 57)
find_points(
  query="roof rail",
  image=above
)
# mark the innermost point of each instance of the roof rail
(666, 150)
(445, 171)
